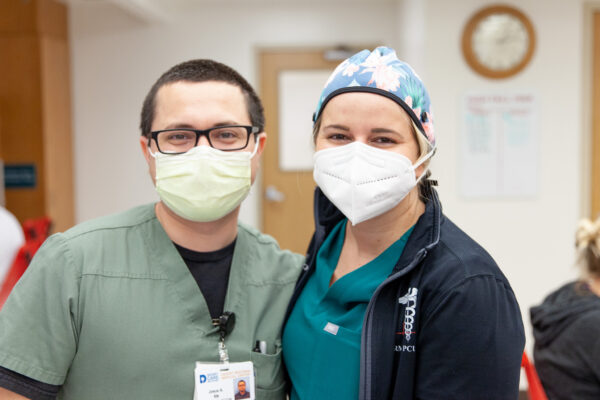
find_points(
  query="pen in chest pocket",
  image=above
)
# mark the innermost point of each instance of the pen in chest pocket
(260, 347)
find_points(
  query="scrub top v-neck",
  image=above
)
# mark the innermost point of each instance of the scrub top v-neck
(321, 341)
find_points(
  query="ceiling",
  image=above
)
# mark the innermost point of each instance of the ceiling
(161, 10)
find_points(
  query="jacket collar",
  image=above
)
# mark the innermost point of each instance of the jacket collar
(326, 216)
(425, 235)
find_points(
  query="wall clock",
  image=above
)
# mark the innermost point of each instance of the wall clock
(498, 41)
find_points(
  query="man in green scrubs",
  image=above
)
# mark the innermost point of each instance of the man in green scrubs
(122, 307)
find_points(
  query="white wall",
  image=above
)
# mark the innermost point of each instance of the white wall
(116, 58)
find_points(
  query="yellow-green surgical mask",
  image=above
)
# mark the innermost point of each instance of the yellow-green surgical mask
(203, 184)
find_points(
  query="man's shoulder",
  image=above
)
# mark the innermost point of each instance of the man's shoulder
(93, 244)
(257, 235)
(265, 250)
(266, 243)
(118, 221)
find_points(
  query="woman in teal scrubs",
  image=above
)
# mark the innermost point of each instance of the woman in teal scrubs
(395, 300)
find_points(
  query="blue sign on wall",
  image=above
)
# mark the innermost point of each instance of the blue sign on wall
(19, 176)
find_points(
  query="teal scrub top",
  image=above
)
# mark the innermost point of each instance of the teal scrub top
(321, 341)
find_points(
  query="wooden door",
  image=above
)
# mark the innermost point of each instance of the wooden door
(287, 203)
(595, 164)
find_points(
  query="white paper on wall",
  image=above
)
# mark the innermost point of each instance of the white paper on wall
(498, 143)
(299, 92)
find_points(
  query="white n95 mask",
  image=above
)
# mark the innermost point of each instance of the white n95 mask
(203, 184)
(363, 181)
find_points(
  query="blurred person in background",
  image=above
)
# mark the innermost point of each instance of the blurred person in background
(566, 327)
(396, 302)
(11, 240)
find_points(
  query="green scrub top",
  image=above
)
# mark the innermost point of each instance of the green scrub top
(322, 336)
(109, 310)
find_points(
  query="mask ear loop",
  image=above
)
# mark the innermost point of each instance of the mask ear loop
(422, 160)
(256, 144)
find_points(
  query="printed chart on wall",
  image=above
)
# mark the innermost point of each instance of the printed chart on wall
(499, 146)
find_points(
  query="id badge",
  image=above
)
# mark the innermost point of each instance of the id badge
(229, 381)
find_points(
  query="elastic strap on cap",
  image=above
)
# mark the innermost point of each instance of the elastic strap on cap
(366, 89)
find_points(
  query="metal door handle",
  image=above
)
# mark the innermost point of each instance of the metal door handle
(273, 194)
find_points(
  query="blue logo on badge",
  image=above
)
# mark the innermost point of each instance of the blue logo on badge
(202, 378)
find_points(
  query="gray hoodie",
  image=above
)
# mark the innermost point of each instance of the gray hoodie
(566, 328)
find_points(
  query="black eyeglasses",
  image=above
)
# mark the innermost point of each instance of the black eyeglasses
(181, 140)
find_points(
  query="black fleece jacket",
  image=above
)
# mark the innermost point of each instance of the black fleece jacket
(444, 325)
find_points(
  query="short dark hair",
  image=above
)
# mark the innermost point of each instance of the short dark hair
(202, 71)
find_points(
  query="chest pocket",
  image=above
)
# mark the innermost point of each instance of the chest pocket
(270, 380)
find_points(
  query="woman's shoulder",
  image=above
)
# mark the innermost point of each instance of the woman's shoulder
(458, 259)
(459, 250)
(459, 276)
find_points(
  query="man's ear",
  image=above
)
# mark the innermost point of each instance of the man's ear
(261, 141)
(145, 148)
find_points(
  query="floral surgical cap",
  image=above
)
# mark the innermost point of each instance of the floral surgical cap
(381, 72)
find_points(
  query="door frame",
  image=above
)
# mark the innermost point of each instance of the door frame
(271, 62)
(594, 163)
